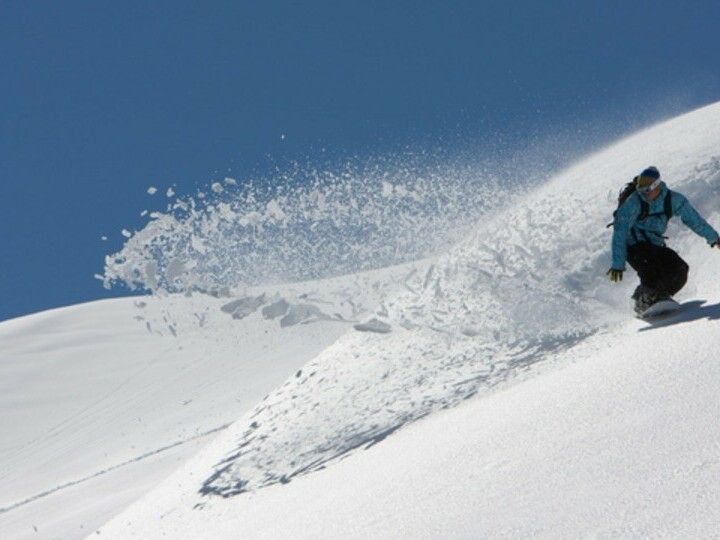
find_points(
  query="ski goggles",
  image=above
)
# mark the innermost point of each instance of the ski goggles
(649, 187)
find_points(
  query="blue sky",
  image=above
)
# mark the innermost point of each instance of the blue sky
(100, 100)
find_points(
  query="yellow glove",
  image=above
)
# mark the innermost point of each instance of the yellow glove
(615, 275)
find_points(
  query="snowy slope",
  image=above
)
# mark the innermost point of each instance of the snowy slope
(558, 453)
(101, 401)
(612, 442)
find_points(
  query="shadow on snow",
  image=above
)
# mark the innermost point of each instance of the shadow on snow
(689, 312)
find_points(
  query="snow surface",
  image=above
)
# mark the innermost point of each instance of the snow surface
(611, 442)
(620, 437)
(102, 401)
(515, 395)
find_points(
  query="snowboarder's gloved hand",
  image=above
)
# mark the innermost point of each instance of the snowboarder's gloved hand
(716, 244)
(615, 275)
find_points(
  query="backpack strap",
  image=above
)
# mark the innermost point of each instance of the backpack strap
(667, 208)
(667, 212)
(668, 205)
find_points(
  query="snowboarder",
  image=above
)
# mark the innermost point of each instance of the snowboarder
(640, 223)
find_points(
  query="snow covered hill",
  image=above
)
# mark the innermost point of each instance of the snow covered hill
(616, 438)
(514, 395)
(619, 438)
(101, 401)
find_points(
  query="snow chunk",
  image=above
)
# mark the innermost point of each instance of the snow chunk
(276, 309)
(152, 190)
(387, 189)
(241, 308)
(274, 211)
(251, 218)
(198, 245)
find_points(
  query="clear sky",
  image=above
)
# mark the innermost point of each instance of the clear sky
(100, 100)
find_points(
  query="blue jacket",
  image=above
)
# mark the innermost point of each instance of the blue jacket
(629, 231)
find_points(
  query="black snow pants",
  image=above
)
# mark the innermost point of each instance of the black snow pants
(660, 268)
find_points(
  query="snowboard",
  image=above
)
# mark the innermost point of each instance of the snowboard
(659, 308)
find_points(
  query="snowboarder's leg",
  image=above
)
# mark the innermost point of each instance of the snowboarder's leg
(645, 260)
(674, 271)
(662, 272)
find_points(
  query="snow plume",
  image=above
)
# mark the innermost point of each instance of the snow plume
(529, 281)
(306, 224)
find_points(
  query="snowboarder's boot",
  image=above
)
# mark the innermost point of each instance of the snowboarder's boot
(645, 297)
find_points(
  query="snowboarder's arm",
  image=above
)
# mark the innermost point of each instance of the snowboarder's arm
(624, 220)
(692, 219)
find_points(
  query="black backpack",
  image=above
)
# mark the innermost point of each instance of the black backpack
(628, 190)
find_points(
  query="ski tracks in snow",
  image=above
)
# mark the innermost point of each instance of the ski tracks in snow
(112, 468)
